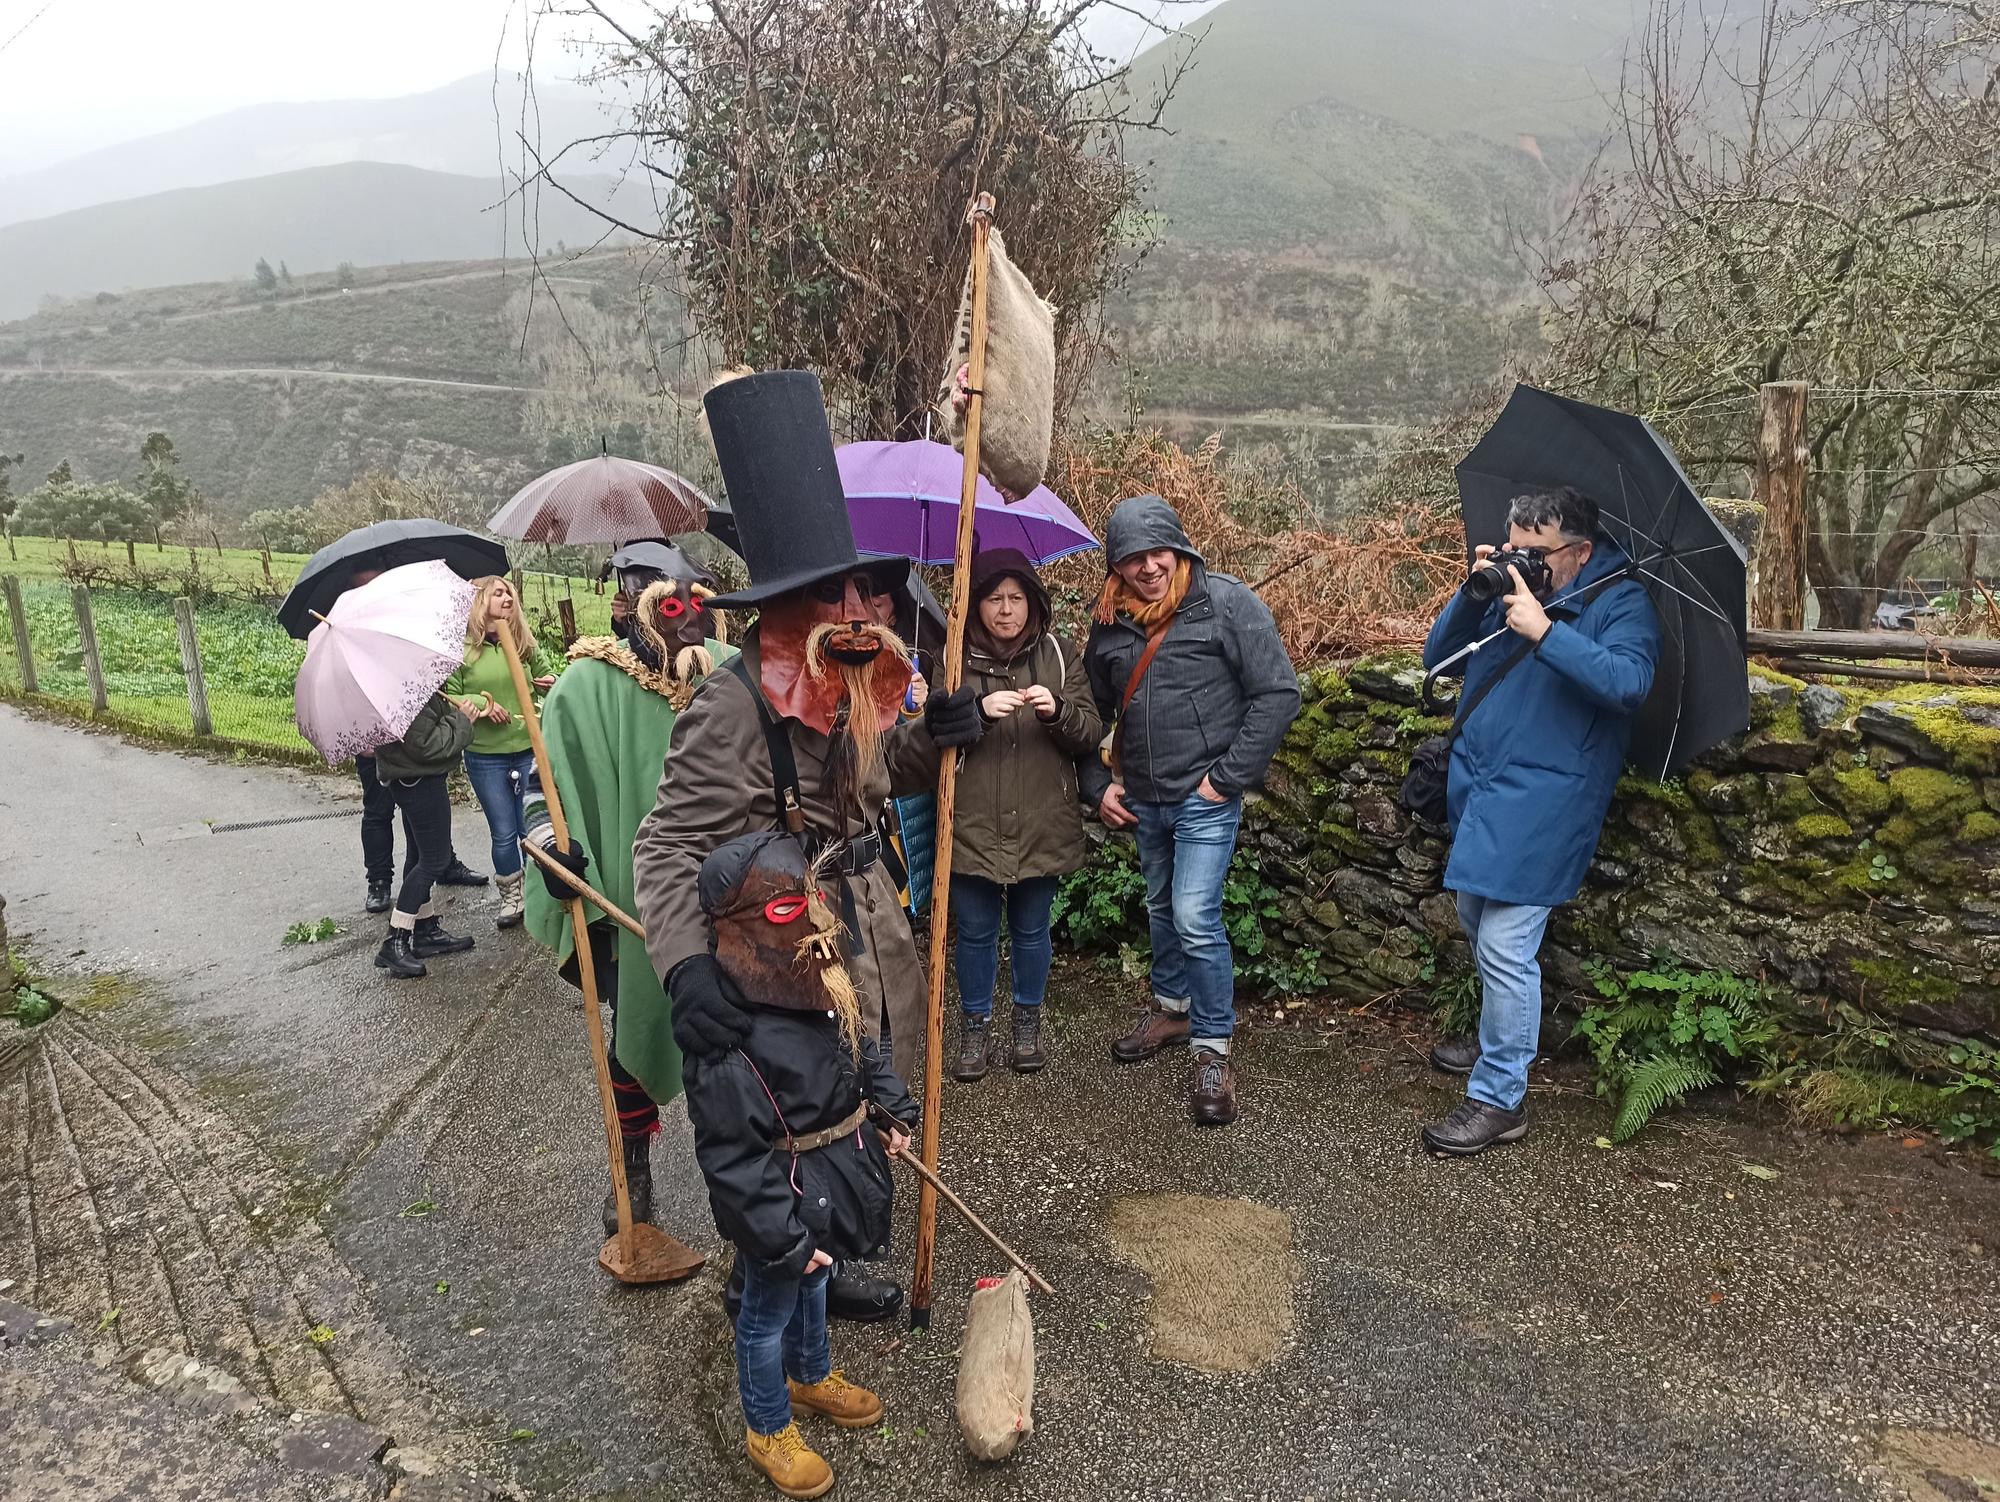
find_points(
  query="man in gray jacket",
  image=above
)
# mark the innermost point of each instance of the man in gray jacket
(1189, 666)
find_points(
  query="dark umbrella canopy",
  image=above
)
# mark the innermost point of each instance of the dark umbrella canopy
(1693, 569)
(384, 545)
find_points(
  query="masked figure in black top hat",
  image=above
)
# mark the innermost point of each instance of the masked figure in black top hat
(801, 732)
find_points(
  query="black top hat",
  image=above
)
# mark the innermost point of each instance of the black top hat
(776, 451)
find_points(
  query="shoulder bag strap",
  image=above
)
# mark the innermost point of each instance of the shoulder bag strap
(1469, 702)
(1153, 639)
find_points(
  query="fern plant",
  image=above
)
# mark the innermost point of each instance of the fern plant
(1659, 1034)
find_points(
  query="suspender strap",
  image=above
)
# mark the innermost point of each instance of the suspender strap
(784, 768)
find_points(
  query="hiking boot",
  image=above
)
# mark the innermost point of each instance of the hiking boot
(836, 1398)
(789, 1462)
(1211, 1089)
(1157, 1028)
(1027, 1054)
(512, 902)
(459, 874)
(858, 1297)
(378, 895)
(398, 958)
(428, 941)
(1472, 1127)
(639, 1186)
(972, 1036)
(1455, 1055)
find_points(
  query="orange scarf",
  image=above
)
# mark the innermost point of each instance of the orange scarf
(1119, 597)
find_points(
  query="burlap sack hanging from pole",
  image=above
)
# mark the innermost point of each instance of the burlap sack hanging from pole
(1020, 382)
(996, 1368)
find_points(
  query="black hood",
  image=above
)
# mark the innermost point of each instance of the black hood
(1141, 524)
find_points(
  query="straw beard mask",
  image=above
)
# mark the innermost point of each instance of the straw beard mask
(779, 940)
(845, 679)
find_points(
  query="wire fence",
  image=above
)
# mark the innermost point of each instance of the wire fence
(214, 671)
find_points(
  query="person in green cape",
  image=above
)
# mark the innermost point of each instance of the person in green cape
(607, 722)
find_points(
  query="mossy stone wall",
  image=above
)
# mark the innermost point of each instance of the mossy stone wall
(1847, 848)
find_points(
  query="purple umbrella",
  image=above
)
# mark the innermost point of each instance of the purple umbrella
(903, 501)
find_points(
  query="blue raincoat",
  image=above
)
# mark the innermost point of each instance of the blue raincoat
(1535, 763)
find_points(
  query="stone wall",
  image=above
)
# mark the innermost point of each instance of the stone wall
(1846, 849)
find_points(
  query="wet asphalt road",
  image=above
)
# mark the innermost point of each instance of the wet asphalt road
(1555, 1320)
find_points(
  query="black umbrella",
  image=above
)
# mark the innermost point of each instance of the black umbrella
(1692, 568)
(385, 545)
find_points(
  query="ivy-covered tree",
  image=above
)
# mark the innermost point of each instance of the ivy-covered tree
(814, 160)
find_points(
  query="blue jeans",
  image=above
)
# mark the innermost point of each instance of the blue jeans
(1506, 941)
(780, 1333)
(1184, 850)
(975, 903)
(492, 776)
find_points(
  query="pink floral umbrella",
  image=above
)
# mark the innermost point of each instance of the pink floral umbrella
(378, 655)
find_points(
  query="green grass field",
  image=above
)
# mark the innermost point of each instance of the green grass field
(248, 662)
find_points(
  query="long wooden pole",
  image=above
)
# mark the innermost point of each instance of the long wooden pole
(1867, 646)
(586, 968)
(980, 216)
(1780, 603)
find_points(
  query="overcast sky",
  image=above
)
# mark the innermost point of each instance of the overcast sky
(78, 74)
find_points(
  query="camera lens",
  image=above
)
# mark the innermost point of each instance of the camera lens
(1488, 582)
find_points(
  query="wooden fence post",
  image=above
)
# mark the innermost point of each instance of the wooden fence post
(24, 647)
(131, 554)
(1780, 603)
(191, 665)
(93, 665)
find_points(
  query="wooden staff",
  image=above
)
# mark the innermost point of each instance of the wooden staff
(586, 891)
(980, 216)
(638, 1253)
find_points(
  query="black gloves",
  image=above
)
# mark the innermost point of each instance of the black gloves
(954, 720)
(708, 1010)
(572, 860)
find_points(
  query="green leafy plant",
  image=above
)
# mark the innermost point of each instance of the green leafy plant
(1975, 1089)
(1659, 1034)
(312, 933)
(1880, 869)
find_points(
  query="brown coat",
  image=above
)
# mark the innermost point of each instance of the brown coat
(717, 785)
(1017, 815)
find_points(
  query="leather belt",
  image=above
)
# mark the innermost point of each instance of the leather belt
(812, 1141)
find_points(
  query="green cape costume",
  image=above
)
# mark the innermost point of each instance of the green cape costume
(607, 722)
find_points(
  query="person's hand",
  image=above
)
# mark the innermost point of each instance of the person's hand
(1112, 810)
(1479, 556)
(898, 1140)
(920, 690)
(1043, 702)
(574, 860)
(818, 1260)
(953, 719)
(709, 1019)
(1001, 703)
(470, 708)
(546, 682)
(1525, 616)
(497, 712)
(1208, 794)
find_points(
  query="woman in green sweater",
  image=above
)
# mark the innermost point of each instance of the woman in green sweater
(500, 760)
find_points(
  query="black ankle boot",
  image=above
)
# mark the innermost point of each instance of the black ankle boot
(430, 941)
(459, 874)
(378, 895)
(398, 958)
(638, 1184)
(851, 1294)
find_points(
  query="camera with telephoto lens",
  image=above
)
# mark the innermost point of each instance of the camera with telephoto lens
(1489, 581)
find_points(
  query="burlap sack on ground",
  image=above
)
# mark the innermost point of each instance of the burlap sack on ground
(996, 1368)
(1018, 421)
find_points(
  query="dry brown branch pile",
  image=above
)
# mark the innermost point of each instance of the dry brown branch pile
(1376, 583)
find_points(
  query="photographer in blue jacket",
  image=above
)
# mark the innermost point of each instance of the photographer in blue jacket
(1531, 773)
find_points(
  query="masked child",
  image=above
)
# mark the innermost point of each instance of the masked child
(797, 1177)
